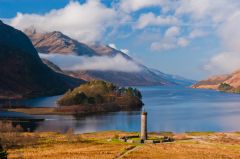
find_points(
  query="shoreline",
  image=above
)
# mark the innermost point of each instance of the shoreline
(64, 110)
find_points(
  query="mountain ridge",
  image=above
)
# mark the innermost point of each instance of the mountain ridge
(62, 43)
(145, 77)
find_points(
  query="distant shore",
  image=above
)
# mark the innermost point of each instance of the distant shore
(67, 110)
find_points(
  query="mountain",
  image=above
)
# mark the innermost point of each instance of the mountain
(56, 42)
(143, 78)
(103, 50)
(52, 66)
(214, 82)
(174, 78)
(22, 72)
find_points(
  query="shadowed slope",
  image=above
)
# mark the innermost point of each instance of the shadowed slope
(23, 74)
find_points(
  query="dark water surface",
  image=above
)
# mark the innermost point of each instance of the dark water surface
(176, 109)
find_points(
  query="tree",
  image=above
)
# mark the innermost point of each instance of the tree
(91, 100)
(137, 93)
(3, 153)
(130, 92)
(99, 99)
(80, 98)
(225, 87)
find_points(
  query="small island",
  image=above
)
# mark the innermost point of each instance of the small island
(93, 97)
(99, 96)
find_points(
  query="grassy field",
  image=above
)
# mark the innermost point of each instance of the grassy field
(192, 145)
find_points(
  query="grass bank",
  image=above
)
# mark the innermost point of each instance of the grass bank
(104, 145)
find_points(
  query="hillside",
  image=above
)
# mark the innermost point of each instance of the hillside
(143, 78)
(52, 66)
(56, 42)
(174, 78)
(23, 74)
(233, 80)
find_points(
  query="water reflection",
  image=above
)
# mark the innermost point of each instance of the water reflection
(34, 102)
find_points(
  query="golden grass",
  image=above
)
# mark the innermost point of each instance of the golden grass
(73, 150)
(199, 133)
(58, 146)
(96, 146)
(185, 150)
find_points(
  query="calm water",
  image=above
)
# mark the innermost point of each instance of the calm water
(174, 109)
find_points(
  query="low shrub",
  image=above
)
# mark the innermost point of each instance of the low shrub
(225, 87)
(3, 153)
(13, 136)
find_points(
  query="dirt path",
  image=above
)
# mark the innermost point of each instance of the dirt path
(128, 150)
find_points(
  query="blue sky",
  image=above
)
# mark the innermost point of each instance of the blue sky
(194, 39)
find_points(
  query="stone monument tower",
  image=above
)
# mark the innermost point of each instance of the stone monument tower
(143, 125)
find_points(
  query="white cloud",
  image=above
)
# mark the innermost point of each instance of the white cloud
(162, 45)
(222, 17)
(207, 10)
(85, 22)
(172, 32)
(134, 5)
(182, 42)
(223, 63)
(126, 51)
(197, 33)
(229, 34)
(102, 63)
(112, 46)
(171, 40)
(149, 19)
